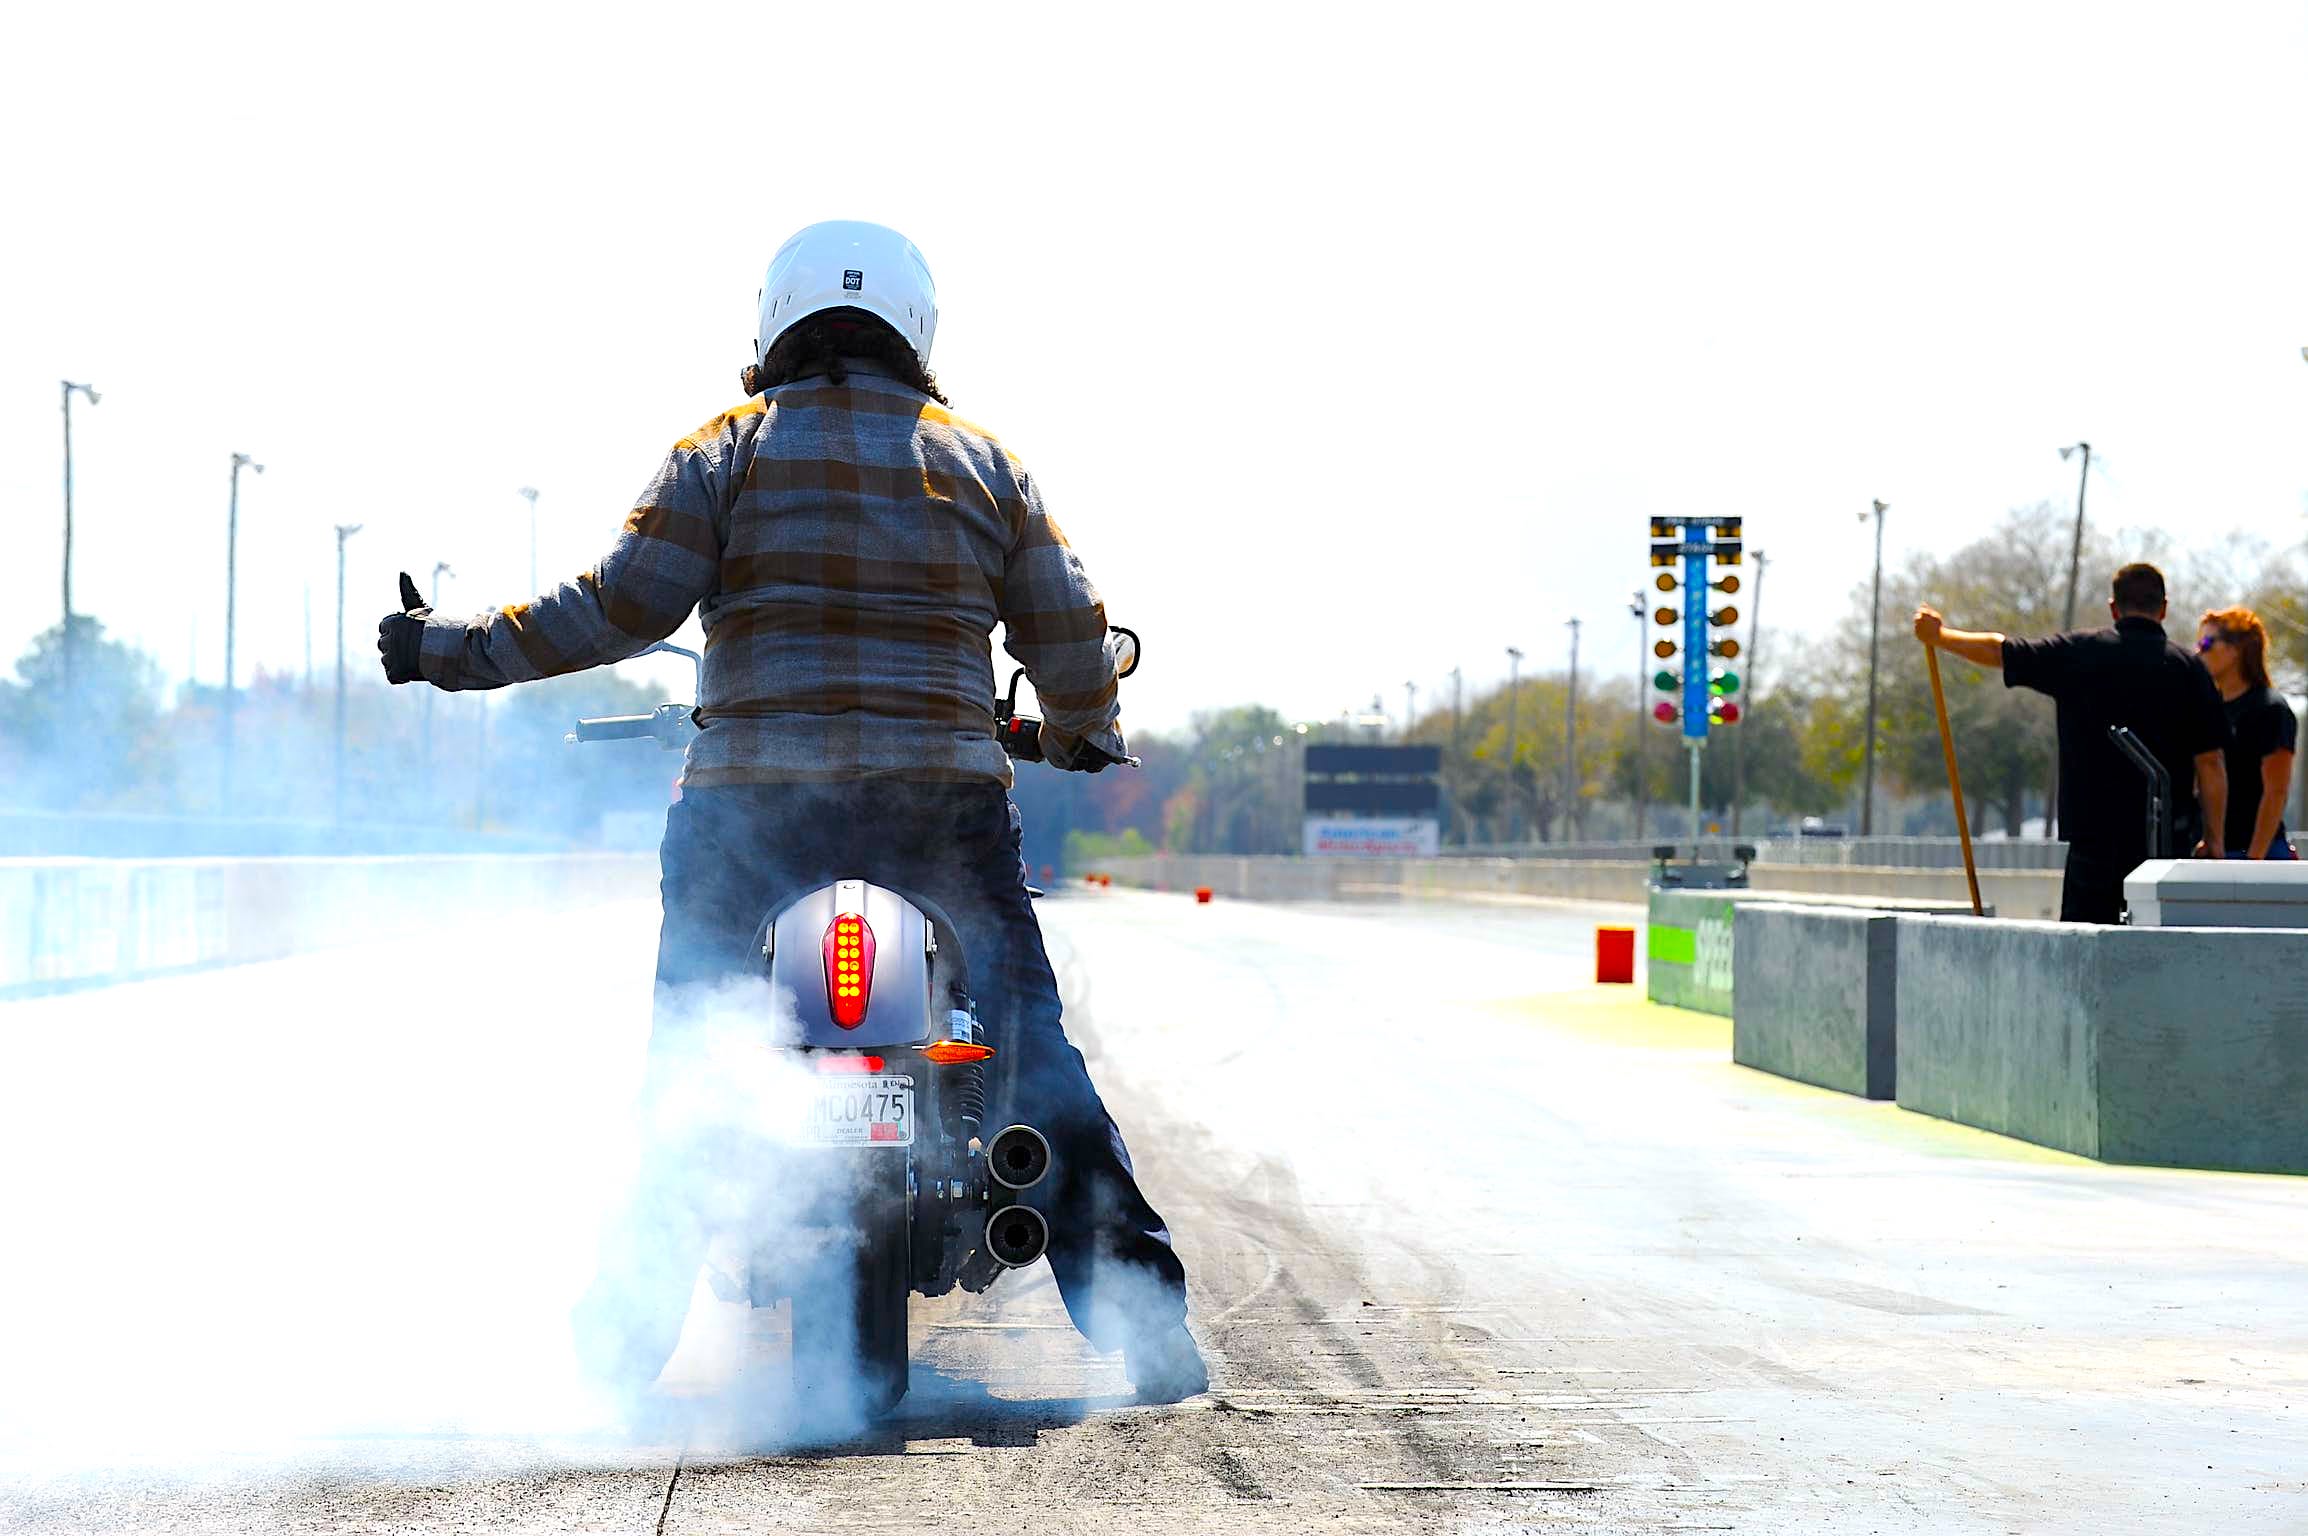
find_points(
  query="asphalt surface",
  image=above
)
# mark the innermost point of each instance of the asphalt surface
(1474, 1246)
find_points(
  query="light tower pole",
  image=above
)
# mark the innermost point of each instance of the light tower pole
(1571, 741)
(440, 569)
(2068, 611)
(1874, 646)
(70, 640)
(344, 532)
(240, 461)
(1514, 744)
(1409, 708)
(528, 493)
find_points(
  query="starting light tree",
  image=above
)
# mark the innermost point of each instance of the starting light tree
(1695, 543)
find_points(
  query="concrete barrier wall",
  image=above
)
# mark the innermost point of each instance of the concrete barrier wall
(1814, 997)
(76, 922)
(2185, 1047)
(1687, 942)
(1277, 877)
(2021, 893)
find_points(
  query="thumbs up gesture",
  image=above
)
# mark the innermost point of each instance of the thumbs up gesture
(401, 636)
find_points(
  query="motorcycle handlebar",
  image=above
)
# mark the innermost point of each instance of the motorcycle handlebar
(1021, 737)
(614, 728)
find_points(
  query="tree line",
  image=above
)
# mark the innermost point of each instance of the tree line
(1230, 781)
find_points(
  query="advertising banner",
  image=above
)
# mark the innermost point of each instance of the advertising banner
(1399, 837)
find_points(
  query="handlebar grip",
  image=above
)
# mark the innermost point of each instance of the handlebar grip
(615, 728)
(1021, 737)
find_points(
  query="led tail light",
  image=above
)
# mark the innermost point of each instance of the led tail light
(843, 1062)
(849, 969)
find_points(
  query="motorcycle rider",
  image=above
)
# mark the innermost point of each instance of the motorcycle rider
(849, 544)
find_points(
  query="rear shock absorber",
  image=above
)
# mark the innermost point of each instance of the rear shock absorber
(967, 1083)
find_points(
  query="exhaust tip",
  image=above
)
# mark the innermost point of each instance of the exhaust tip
(1019, 1157)
(1016, 1235)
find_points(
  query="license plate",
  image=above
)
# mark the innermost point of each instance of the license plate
(861, 1112)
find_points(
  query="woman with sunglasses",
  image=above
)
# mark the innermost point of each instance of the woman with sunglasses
(2262, 733)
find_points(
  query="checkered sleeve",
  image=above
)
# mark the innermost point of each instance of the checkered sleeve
(1055, 625)
(662, 566)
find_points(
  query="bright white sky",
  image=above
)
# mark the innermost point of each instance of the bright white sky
(1351, 344)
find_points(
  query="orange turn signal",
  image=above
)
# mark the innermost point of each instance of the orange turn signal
(947, 1053)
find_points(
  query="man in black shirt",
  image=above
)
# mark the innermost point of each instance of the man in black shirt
(2126, 675)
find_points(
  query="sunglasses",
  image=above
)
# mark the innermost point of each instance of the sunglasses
(2213, 639)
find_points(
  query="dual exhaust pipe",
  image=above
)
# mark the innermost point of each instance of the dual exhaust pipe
(1018, 1159)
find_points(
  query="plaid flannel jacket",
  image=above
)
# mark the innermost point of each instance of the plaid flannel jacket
(850, 549)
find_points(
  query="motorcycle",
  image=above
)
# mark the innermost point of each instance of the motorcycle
(904, 1192)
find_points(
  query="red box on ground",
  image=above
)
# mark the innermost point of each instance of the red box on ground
(1202, 894)
(1615, 954)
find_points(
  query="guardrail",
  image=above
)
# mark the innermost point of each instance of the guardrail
(84, 922)
(128, 835)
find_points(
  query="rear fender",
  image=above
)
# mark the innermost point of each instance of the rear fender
(899, 1008)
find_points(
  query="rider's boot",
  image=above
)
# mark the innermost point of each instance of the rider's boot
(1166, 1366)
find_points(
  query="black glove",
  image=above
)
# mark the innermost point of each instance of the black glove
(400, 636)
(1074, 754)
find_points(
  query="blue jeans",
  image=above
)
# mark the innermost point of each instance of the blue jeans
(730, 855)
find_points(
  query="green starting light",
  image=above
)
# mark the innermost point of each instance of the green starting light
(1723, 683)
(1665, 681)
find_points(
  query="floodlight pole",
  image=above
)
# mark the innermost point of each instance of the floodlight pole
(344, 532)
(1874, 645)
(69, 640)
(240, 461)
(1514, 691)
(1571, 740)
(440, 569)
(2068, 612)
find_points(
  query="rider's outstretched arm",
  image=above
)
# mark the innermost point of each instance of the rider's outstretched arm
(662, 566)
(1055, 625)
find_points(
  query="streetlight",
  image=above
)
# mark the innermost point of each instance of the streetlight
(528, 493)
(1874, 639)
(440, 569)
(2076, 547)
(231, 612)
(1514, 692)
(2068, 613)
(1409, 708)
(70, 389)
(1571, 741)
(344, 532)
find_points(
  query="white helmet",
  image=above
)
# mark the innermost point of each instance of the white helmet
(846, 264)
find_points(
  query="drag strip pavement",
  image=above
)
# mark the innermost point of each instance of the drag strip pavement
(1474, 1246)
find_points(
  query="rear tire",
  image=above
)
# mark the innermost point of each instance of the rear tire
(850, 1350)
